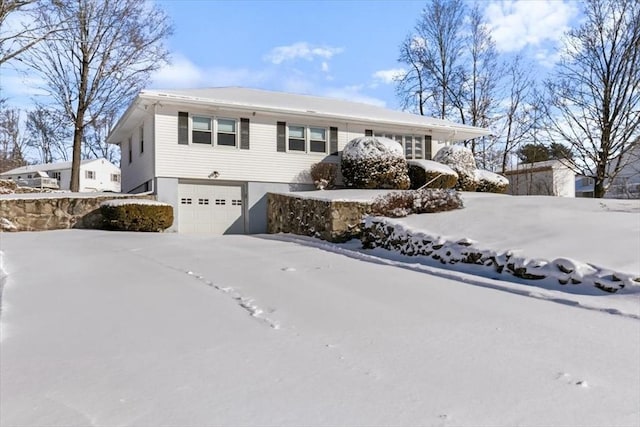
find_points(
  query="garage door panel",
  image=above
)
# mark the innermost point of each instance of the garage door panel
(211, 209)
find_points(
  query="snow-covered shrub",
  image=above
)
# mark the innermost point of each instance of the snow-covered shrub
(136, 215)
(461, 160)
(435, 174)
(489, 182)
(426, 200)
(373, 162)
(324, 175)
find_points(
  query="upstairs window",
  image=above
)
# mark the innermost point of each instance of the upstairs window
(201, 130)
(115, 177)
(227, 132)
(90, 174)
(297, 138)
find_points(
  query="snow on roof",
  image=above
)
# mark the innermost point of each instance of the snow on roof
(46, 167)
(281, 102)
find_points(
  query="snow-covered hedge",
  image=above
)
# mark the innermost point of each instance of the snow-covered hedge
(387, 234)
(461, 160)
(434, 174)
(400, 204)
(489, 182)
(374, 162)
(136, 215)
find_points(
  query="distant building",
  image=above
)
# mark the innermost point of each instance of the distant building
(95, 175)
(548, 178)
(626, 184)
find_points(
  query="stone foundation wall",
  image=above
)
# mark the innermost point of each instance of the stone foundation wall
(334, 221)
(54, 213)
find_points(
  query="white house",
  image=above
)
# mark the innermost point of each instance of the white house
(215, 153)
(548, 178)
(626, 184)
(95, 175)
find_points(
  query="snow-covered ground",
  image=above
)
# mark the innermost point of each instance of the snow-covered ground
(107, 328)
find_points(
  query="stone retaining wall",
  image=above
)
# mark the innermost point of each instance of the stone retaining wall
(334, 221)
(55, 212)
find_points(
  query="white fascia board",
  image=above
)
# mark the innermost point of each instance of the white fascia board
(453, 131)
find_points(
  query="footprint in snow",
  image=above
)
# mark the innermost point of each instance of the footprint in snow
(288, 269)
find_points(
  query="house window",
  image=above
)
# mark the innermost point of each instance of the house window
(308, 139)
(141, 139)
(55, 174)
(414, 146)
(201, 132)
(115, 177)
(90, 174)
(318, 140)
(227, 132)
(297, 138)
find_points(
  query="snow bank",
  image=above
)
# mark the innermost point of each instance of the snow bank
(492, 177)
(432, 166)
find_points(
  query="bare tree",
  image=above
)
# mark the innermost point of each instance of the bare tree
(12, 140)
(435, 49)
(24, 32)
(95, 143)
(411, 86)
(48, 134)
(594, 92)
(100, 60)
(520, 113)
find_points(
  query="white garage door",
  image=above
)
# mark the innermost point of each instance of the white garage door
(210, 209)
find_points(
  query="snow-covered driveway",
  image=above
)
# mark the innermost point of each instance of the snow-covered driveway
(103, 328)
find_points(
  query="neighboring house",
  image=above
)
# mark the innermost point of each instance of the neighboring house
(95, 175)
(215, 153)
(548, 178)
(626, 184)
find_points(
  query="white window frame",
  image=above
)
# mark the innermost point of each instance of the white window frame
(56, 174)
(192, 129)
(403, 142)
(89, 174)
(115, 177)
(307, 138)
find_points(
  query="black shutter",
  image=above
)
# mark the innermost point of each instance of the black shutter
(282, 136)
(427, 147)
(183, 127)
(333, 141)
(368, 132)
(244, 134)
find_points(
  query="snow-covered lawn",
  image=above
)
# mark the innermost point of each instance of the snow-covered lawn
(107, 328)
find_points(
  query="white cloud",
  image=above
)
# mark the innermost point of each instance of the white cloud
(519, 23)
(301, 50)
(182, 73)
(388, 76)
(325, 66)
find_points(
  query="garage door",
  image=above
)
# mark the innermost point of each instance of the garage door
(210, 209)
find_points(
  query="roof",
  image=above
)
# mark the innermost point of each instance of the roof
(46, 167)
(303, 105)
(546, 165)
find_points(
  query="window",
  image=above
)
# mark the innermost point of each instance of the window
(201, 133)
(142, 139)
(115, 177)
(183, 128)
(318, 140)
(130, 142)
(308, 139)
(227, 132)
(55, 174)
(297, 138)
(415, 147)
(90, 174)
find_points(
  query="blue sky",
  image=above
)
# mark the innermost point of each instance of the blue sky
(345, 49)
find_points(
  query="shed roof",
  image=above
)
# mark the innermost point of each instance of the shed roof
(45, 167)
